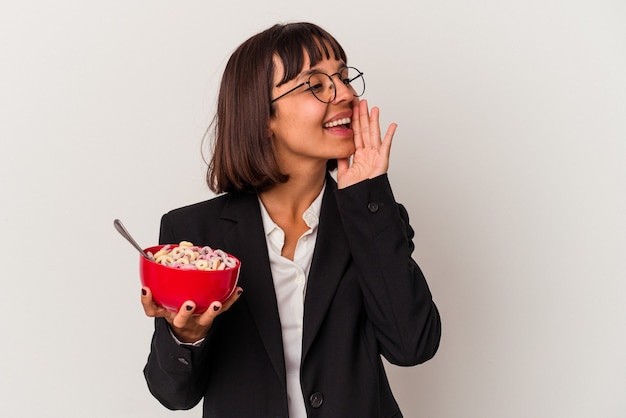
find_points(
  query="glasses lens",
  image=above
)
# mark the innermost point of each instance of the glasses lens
(322, 87)
(354, 78)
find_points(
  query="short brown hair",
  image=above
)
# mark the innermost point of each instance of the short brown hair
(243, 158)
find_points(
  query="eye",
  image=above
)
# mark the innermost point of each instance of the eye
(316, 87)
(344, 76)
(318, 83)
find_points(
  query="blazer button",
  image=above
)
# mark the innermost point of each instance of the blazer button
(316, 399)
(372, 207)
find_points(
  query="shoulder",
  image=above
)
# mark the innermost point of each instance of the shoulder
(200, 209)
(184, 222)
(214, 216)
(227, 205)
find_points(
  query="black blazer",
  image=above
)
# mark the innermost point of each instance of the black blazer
(365, 297)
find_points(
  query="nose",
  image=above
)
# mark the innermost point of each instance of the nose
(344, 92)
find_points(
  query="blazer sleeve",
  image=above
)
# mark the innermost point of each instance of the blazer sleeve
(398, 302)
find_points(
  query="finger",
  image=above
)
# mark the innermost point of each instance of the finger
(364, 122)
(183, 315)
(149, 306)
(232, 299)
(374, 125)
(356, 124)
(216, 308)
(386, 145)
(206, 318)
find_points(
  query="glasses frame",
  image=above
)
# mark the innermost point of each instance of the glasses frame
(338, 74)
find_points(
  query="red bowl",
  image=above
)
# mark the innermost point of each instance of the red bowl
(171, 287)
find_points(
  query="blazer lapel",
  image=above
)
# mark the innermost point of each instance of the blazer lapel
(330, 260)
(247, 241)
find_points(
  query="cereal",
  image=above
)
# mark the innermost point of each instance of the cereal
(191, 257)
(202, 264)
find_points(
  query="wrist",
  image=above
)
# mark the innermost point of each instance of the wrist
(186, 337)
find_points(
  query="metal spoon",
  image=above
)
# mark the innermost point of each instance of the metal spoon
(123, 232)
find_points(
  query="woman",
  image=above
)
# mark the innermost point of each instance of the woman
(329, 281)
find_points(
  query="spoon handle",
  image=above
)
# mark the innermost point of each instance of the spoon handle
(123, 232)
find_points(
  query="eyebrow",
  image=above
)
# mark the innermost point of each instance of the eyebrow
(311, 71)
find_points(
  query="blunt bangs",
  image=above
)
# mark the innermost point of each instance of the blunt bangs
(297, 39)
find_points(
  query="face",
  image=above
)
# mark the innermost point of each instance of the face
(306, 130)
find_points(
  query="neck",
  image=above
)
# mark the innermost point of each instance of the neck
(289, 200)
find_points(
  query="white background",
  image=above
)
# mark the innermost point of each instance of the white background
(510, 156)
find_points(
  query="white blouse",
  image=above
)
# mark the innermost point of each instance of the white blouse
(290, 278)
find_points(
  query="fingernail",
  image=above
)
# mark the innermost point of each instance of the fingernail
(143, 292)
(189, 307)
(216, 308)
(239, 292)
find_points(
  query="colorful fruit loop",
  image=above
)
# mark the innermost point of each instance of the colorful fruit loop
(191, 257)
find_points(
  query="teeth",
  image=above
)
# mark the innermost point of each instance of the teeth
(343, 121)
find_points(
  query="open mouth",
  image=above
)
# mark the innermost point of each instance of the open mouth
(343, 122)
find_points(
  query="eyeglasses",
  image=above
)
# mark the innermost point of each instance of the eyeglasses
(323, 88)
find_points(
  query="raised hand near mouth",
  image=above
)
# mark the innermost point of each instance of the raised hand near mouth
(371, 155)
